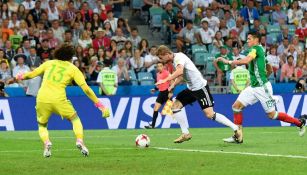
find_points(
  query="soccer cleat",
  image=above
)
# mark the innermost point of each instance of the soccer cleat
(183, 138)
(80, 145)
(149, 127)
(47, 149)
(302, 128)
(236, 138)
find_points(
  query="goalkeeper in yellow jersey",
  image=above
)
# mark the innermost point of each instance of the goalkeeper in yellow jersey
(52, 98)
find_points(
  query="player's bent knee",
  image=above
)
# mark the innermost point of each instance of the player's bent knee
(74, 116)
(40, 124)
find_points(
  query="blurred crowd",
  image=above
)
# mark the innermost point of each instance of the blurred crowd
(101, 35)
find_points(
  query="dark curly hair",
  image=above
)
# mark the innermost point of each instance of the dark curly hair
(65, 52)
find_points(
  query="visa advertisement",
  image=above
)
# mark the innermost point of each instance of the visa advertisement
(134, 112)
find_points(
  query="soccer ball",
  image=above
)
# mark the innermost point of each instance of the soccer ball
(142, 141)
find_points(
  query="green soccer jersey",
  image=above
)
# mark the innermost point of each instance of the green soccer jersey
(257, 67)
(224, 67)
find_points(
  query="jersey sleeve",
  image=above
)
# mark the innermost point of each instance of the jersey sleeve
(36, 72)
(179, 60)
(252, 53)
(79, 77)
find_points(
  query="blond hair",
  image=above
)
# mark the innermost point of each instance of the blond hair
(162, 50)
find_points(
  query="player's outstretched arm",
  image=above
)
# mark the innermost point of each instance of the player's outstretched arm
(36, 72)
(91, 95)
(174, 75)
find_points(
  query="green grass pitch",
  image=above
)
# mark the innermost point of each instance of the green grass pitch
(275, 150)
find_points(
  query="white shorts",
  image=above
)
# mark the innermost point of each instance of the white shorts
(264, 94)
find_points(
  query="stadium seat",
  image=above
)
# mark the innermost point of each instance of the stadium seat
(201, 58)
(145, 78)
(155, 18)
(264, 20)
(132, 76)
(273, 29)
(210, 69)
(272, 38)
(198, 48)
(292, 29)
(137, 4)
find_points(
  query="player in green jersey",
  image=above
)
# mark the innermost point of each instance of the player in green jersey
(260, 89)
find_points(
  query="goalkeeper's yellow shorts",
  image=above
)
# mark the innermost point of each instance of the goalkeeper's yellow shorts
(44, 110)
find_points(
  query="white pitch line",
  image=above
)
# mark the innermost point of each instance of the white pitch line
(68, 149)
(231, 152)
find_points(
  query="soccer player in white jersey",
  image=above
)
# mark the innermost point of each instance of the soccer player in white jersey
(197, 90)
(260, 89)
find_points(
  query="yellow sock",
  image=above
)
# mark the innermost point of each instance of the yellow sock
(77, 127)
(43, 133)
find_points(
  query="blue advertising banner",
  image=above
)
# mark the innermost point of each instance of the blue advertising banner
(18, 113)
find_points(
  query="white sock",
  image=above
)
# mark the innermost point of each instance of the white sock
(225, 121)
(181, 121)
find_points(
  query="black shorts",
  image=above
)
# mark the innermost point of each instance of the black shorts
(203, 96)
(162, 97)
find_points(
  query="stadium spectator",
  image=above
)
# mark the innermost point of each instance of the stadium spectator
(134, 37)
(37, 11)
(124, 26)
(69, 13)
(9, 50)
(98, 7)
(129, 49)
(224, 29)
(96, 22)
(79, 54)
(186, 37)
(235, 8)
(5, 73)
(33, 61)
(4, 12)
(217, 42)
(85, 40)
(167, 17)
(295, 14)
(222, 68)
(279, 17)
(189, 12)
(291, 51)
(228, 19)
(178, 23)
(284, 34)
(21, 67)
(76, 32)
(282, 47)
(122, 72)
(249, 13)
(53, 11)
(107, 79)
(137, 62)
(22, 14)
(107, 27)
(23, 28)
(14, 21)
(102, 55)
(119, 38)
(144, 47)
(68, 37)
(236, 55)
(298, 46)
(112, 20)
(58, 31)
(101, 40)
(216, 10)
(213, 21)
(117, 7)
(12, 6)
(287, 70)
(274, 60)
(299, 70)
(301, 30)
(268, 7)
(94, 69)
(205, 34)
(28, 4)
(112, 53)
(3, 57)
(44, 52)
(6, 32)
(52, 41)
(151, 60)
